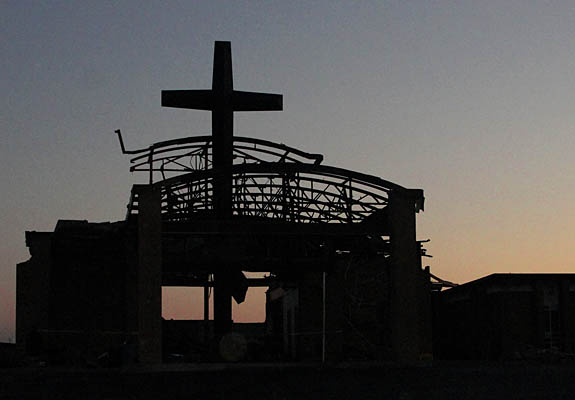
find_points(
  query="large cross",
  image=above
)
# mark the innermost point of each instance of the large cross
(222, 101)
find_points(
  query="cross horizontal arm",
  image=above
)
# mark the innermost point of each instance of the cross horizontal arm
(250, 101)
(191, 99)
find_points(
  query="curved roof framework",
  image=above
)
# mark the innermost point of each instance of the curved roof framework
(269, 180)
(170, 158)
(294, 193)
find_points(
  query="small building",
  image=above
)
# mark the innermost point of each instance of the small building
(504, 316)
(75, 296)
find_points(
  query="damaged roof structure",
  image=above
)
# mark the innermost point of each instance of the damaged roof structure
(344, 267)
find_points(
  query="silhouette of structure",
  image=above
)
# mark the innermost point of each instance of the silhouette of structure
(345, 277)
(504, 316)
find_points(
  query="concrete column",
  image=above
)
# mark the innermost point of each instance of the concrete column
(222, 304)
(207, 300)
(149, 275)
(406, 332)
(425, 312)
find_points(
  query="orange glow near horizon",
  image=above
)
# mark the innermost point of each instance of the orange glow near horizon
(188, 303)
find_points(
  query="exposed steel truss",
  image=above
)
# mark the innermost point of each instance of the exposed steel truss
(269, 181)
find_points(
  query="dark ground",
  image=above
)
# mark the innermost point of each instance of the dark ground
(285, 381)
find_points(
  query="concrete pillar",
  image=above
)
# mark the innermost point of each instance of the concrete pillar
(149, 275)
(207, 299)
(425, 312)
(405, 313)
(222, 304)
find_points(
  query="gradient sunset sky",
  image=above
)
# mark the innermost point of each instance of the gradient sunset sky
(471, 101)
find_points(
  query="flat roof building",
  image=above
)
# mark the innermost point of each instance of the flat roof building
(503, 316)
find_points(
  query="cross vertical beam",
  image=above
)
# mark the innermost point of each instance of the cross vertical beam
(222, 129)
(222, 100)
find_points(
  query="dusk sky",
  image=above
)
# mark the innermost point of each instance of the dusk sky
(471, 101)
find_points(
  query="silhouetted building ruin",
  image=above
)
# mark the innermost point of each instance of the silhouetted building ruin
(344, 267)
(503, 316)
